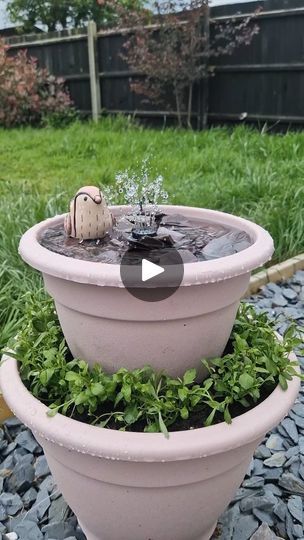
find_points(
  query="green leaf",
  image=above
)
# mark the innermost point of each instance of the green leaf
(72, 376)
(52, 412)
(189, 376)
(131, 414)
(126, 391)
(46, 375)
(97, 389)
(184, 413)
(163, 426)
(182, 393)
(246, 381)
(227, 416)
(283, 382)
(81, 398)
(210, 418)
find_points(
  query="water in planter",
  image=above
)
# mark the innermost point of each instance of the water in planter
(140, 226)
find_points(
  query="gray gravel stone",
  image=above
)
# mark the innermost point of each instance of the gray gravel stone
(280, 510)
(262, 452)
(294, 469)
(6, 465)
(291, 483)
(275, 442)
(58, 530)
(12, 502)
(41, 467)
(258, 468)
(291, 429)
(245, 527)
(289, 526)
(291, 461)
(253, 482)
(279, 300)
(297, 530)
(298, 409)
(301, 444)
(276, 460)
(266, 502)
(42, 503)
(290, 294)
(299, 420)
(264, 533)
(292, 451)
(29, 497)
(58, 509)
(28, 530)
(270, 289)
(295, 507)
(27, 441)
(13, 422)
(301, 471)
(3, 512)
(69, 538)
(228, 521)
(243, 492)
(48, 484)
(275, 490)
(273, 474)
(9, 448)
(21, 478)
(264, 516)
(293, 312)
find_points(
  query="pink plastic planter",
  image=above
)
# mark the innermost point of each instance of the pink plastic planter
(140, 486)
(103, 323)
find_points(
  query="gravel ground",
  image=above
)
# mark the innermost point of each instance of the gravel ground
(268, 505)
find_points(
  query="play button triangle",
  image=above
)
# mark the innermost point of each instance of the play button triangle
(149, 270)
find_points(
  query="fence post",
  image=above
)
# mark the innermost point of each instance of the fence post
(93, 68)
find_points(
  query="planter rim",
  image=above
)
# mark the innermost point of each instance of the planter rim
(144, 447)
(196, 273)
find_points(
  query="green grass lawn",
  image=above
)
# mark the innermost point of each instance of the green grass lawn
(240, 171)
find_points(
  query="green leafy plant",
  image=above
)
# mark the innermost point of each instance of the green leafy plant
(142, 399)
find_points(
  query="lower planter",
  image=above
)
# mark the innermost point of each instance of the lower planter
(142, 486)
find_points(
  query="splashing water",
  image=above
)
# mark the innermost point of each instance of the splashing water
(143, 195)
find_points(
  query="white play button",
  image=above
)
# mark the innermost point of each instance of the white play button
(151, 276)
(149, 270)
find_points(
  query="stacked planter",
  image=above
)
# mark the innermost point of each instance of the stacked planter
(140, 486)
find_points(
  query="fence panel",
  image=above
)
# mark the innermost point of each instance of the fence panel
(260, 82)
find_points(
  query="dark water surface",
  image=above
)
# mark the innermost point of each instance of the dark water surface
(195, 241)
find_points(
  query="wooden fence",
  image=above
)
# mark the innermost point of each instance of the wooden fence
(262, 82)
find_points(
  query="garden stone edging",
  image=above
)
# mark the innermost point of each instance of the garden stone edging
(274, 274)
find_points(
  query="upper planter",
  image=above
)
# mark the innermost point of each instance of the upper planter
(102, 322)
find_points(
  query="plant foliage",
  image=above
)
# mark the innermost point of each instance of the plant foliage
(173, 48)
(155, 401)
(30, 95)
(55, 15)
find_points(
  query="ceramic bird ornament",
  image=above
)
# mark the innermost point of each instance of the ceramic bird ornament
(89, 217)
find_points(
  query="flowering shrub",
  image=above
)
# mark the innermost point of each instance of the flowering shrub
(29, 94)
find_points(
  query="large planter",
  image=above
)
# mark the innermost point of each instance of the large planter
(102, 322)
(142, 486)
